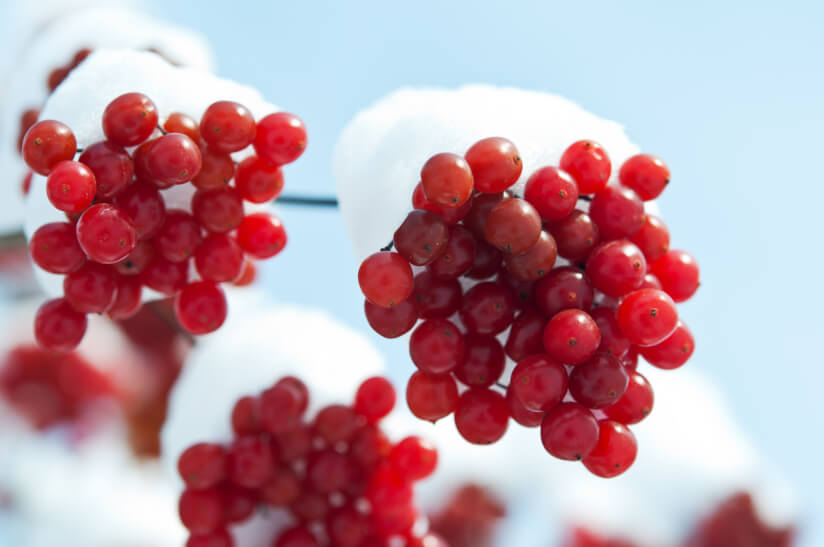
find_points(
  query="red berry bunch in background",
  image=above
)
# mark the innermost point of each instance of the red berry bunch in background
(570, 282)
(119, 236)
(470, 517)
(337, 475)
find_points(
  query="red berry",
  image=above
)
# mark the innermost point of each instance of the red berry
(599, 382)
(678, 273)
(247, 274)
(144, 206)
(576, 235)
(435, 298)
(487, 308)
(487, 261)
(385, 279)
(521, 291)
(569, 431)
(202, 465)
(219, 258)
(112, 167)
(165, 277)
(571, 337)
(129, 119)
(261, 235)
(239, 503)
(618, 212)
(246, 416)
(391, 322)
(482, 416)
(227, 127)
(283, 404)
(282, 490)
(482, 204)
(450, 215)
(219, 538)
(563, 288)
(140, 158)
(645, 174)
(91, 289)
(369, 446)
(71, 186)
(216, 170)
(447, 180)
(635, 404)
(58, 327)
(128, 299)
(106, 234)
(650, 282)
(251, 463)
(616, 267)
(536, 262)
(615, 451)
(414, 458)
(46, 144)
(526, 335)
(495, 163)
(337, 423)
(54, 248)
(281, 138)
(538, 382)
(174, 158)
(458, 255)
(588, 164)
(181, 123)
(218, 210)
(647, 317)
(347, 527)
(520, 413)
(673, 351)
(431, 397)
(513, 226)
(297, 536)
(201, 511)
(179, 236)
(328, 471)
(201, 307)
(258, 181)
(653, 239)
(613, 340)
(27, 119)
(552, 192)
(375, 398)
(421, 237)
(309, 506)
(483, 361)
(436, 346)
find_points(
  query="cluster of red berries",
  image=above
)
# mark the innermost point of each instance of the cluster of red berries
(574, 329)
(47, 389)
(119, 236)
(338, 475)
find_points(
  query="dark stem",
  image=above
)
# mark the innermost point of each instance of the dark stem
(162, 130)
(388, 246)
(314, 201)
(585, 198)
(502, 386)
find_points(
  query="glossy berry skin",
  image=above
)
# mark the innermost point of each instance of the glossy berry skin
(129, 298)
(495, 163)
(106, 234)
(650, 282)
(435, 298)
(202, 465)
(328, 471)
(282, 406)
(522, 292)
(91, 289)
(645, 174)
(174, 159)
(201, 511)
(218, 210)
(261, 235)
(450, 215)
(250, 463)
(165, 277)
(219, 258)
(482, 204)
(536, 262)
(613, 340)
(635, 404)
(575, 235)
(616, 267)
(571, 337)
(179, 237)
(181, 123)
(678, 273)
(216, 170)
(227, 126)
(385, 279)
(647, 316)
(615, 451)
(526, 335)
(569, 431)
(653, 239)
(599, 382)
(588, 164)
(421, 237)
(673, 351)
(112, 167)
(487, 261)
(391, 322)
(513, 226)
(552, 192)
(258, 181)
(483, 361)
(337, 423)
(281, 138)
(539, 382)
(414, 458)
(563, 288)
(520, 413)
(374, 399)
(144, 206)
(487, 308)
(618, 212)
(436, 346)
(247, 276)
(431, 397)
(71, 186)
(129, 119)
(482, 416)
(447, 180)
(58, 327)
(458, 254)
(47, 143)
(201, 307)
(54, 248)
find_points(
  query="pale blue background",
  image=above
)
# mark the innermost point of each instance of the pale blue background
(731, 94)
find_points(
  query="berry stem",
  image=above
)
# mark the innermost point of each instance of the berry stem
(388, 247)
(314, 201)
(585, 198)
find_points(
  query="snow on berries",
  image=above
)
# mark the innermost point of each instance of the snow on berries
(532, 260)
(151, 192)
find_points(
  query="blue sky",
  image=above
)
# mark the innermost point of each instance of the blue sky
(730, 94)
